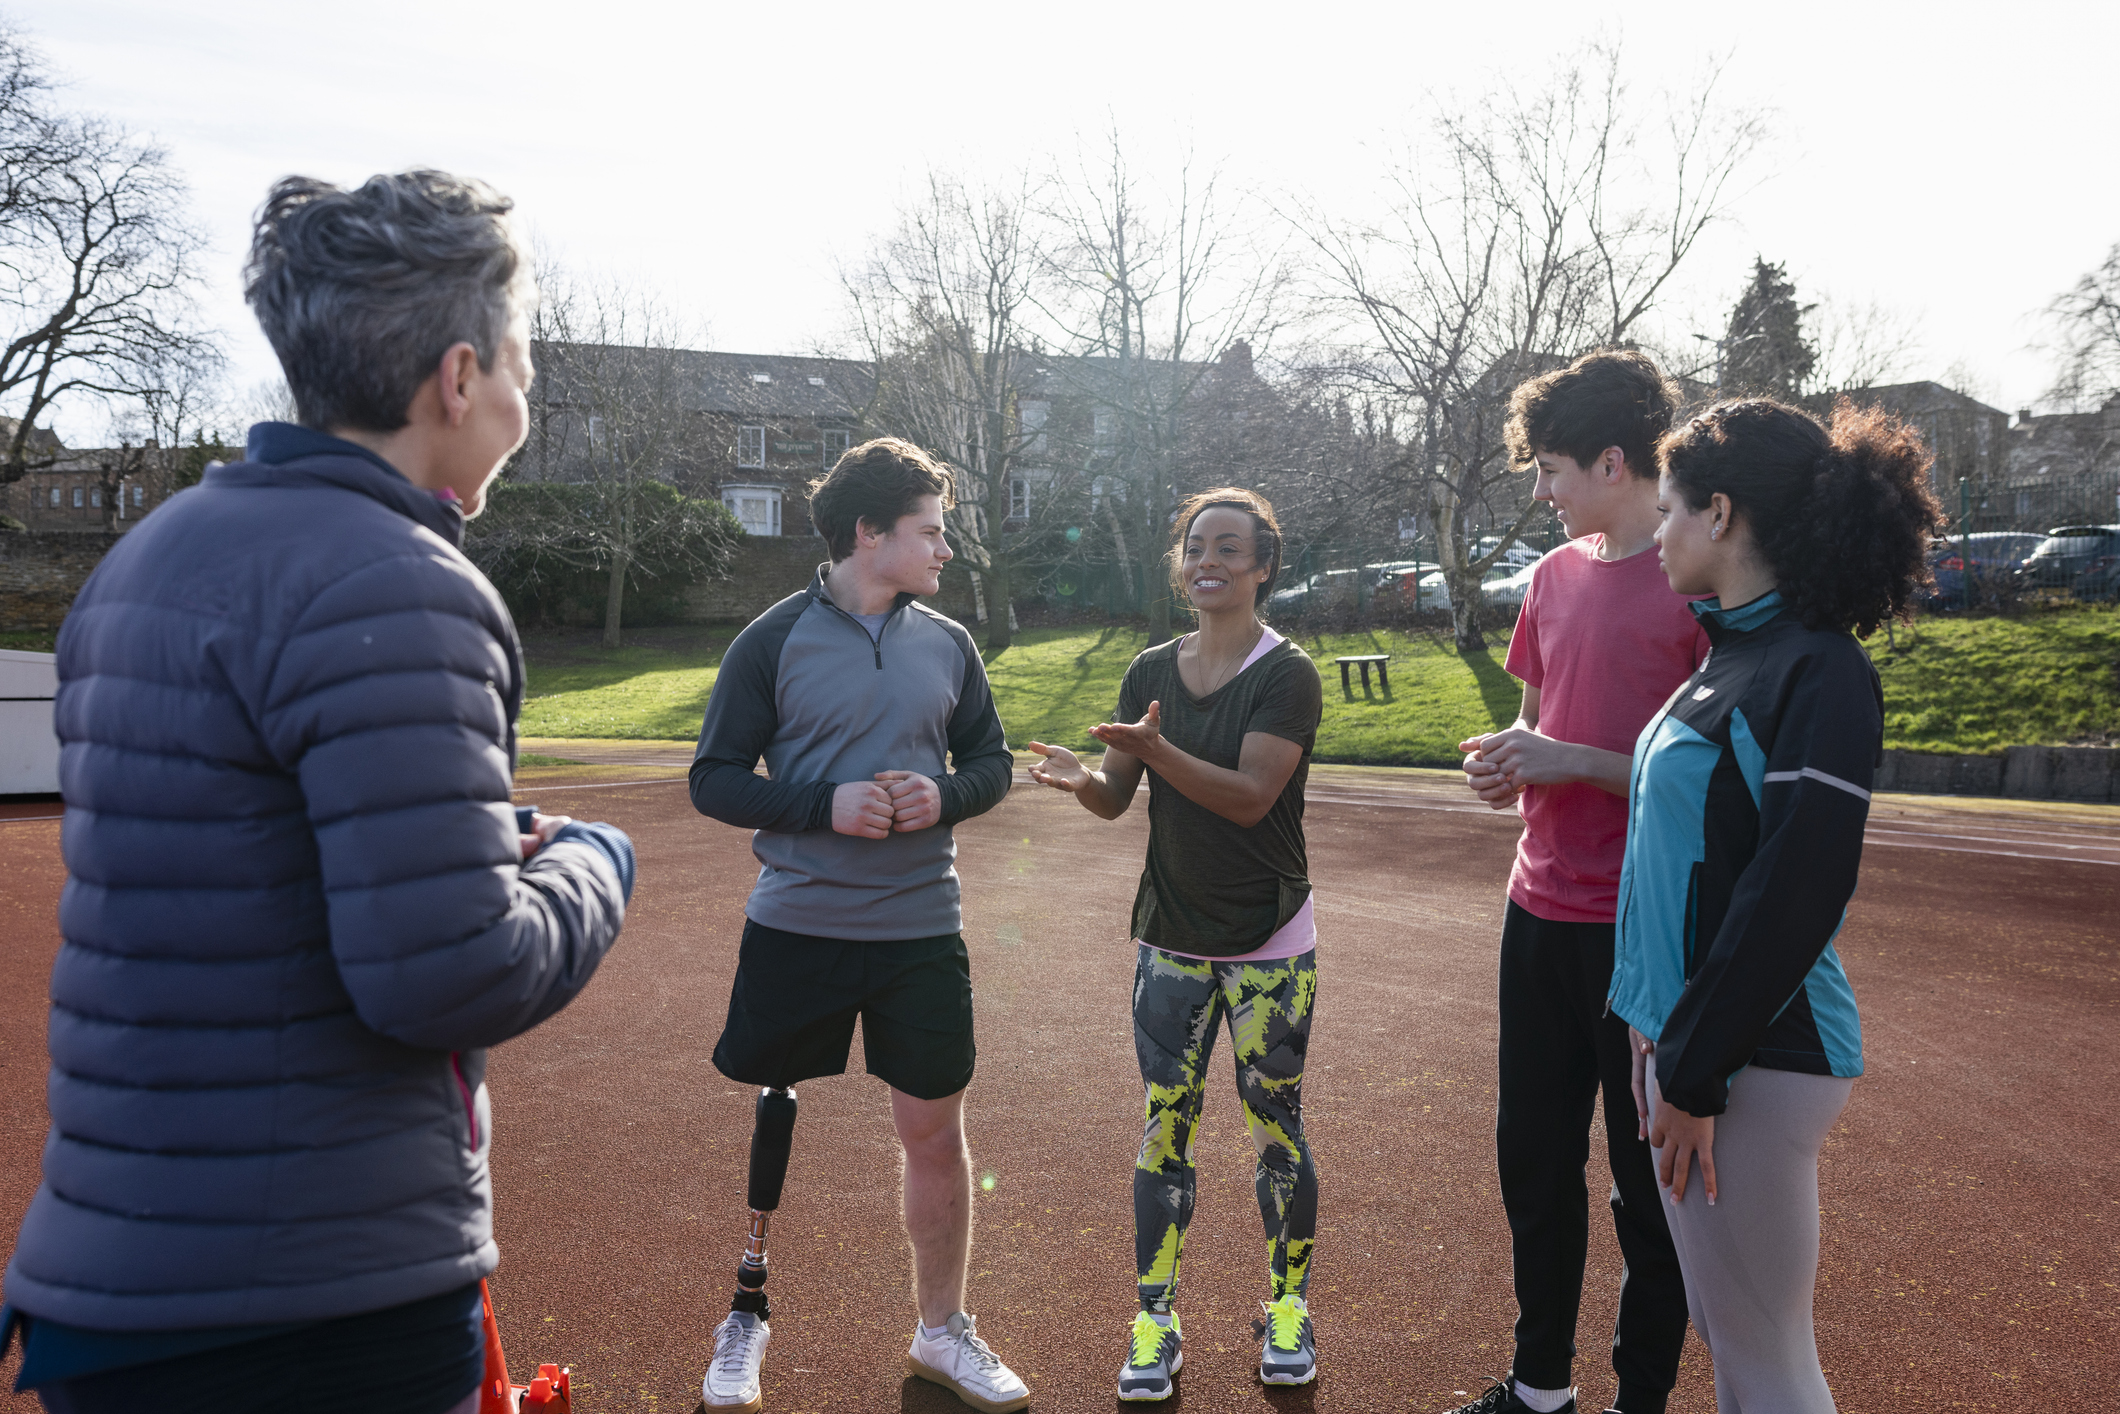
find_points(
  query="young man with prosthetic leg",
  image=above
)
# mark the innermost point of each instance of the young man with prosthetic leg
(1601, 643)
(859, 699)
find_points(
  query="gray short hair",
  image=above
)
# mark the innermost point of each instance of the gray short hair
(361, 292)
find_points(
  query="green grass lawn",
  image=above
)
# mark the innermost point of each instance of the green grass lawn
(1976, 686)
(1950, 686)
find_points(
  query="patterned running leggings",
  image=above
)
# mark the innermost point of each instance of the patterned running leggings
(1178, 1005)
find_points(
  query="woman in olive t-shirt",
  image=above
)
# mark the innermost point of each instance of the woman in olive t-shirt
(1223, 720)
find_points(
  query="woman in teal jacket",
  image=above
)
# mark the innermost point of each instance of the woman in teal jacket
(1747, 802)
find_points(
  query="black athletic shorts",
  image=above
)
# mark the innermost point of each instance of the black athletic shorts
(792, 1010)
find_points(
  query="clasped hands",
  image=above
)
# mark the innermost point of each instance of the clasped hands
(895, 800)
(1499, 765)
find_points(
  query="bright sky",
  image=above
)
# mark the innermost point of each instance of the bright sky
(1952, 165)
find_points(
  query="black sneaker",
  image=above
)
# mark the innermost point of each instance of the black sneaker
(1500, 1398)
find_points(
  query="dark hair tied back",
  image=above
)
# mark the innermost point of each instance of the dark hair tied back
(1842, 514)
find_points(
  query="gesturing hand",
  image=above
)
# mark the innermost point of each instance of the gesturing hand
(916, 801)
(1137, 739)
(1060, 769)
(862, 808)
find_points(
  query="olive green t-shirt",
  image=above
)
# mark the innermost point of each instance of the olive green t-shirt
(1213, 887)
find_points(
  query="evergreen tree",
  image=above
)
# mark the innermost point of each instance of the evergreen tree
(1764, 350)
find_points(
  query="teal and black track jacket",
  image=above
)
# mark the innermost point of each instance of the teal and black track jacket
(1746, 806)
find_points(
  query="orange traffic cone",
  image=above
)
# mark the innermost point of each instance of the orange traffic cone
(549, 1393)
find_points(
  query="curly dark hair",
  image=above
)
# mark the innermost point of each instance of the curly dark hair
(1265, 536)
(1610, 398)
(1842, 513)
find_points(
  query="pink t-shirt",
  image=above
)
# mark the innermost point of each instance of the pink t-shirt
(1606, 643)
(1300, 933)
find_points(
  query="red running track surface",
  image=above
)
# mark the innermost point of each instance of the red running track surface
(1971, 1207)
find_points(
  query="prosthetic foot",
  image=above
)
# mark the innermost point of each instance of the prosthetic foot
(740, 1340)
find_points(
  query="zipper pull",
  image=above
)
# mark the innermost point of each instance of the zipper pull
(879, 655)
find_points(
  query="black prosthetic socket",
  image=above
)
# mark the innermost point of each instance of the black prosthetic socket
(772, 1136)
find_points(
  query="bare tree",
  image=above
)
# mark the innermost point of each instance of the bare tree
(170, 415)
(1155, 286)
(1505, 247)
(97, 263)
(2086, 337)
(940, 305)
(1861, 345)
(611, 426)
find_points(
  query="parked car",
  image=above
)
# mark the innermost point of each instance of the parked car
(1510, 589)
(1375, 577)
(1327, 589)
(1997, 555)
(2073, 553)
(1518, 554)
(1507, 583)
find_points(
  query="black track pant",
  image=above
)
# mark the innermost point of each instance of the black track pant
(1558, 1047)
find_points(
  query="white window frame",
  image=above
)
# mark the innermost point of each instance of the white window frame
(58, 496)
(736, 493)
(1032, 413)
(78, 493)
(1104, 432)
(757, 436)
(826, 438)
(1019, 498)
(139, 496)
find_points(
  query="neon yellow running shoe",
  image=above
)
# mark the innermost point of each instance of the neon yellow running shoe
(1291, 1353)
(1158, 1352)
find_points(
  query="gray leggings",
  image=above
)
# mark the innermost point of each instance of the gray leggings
(1751, 1261)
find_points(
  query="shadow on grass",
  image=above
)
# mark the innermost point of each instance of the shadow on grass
(1500, 693)
(1082, 659)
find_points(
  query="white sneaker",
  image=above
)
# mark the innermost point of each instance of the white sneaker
(732, 1375)
(960, 1362)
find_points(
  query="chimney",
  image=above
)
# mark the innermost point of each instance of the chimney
(2024, 415)
(1236, 359)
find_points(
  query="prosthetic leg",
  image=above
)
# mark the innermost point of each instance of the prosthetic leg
(772, 1135)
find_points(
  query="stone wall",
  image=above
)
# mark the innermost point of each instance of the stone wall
(41, 571)
(766, 569)
(2089, 773)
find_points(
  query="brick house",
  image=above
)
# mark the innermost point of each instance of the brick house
(752, 430)
(97, 488)
(2065, 467)
(1969, 440)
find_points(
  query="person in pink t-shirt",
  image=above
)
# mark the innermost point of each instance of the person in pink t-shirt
(1601, 643)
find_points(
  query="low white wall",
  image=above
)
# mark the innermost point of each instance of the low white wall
(29, 749)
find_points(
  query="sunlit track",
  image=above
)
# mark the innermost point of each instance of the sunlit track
(1947, 827)
(1899, 825)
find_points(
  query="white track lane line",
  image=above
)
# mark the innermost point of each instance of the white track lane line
(2051, 841)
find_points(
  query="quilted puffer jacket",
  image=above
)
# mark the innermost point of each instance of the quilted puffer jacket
(296, 910)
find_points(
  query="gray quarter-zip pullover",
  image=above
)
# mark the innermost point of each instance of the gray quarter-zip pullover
(808, 689)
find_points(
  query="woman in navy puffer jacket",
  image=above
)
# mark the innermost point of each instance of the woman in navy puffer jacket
(298, 906)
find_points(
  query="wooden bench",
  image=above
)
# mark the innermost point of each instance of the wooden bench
(1363, 660)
